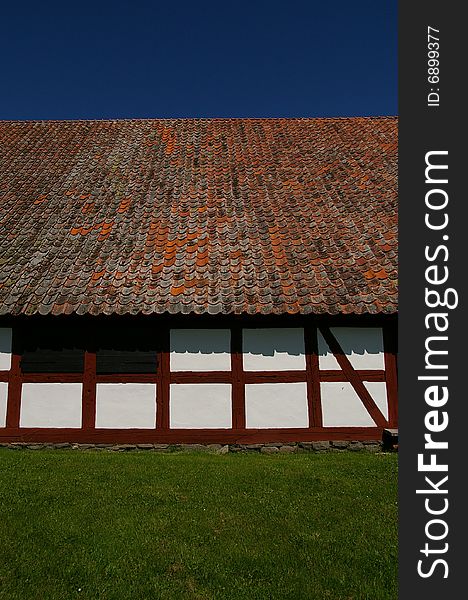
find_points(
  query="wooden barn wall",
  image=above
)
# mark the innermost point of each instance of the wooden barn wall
(197, 379)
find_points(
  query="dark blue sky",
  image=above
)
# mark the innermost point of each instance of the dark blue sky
(146, 58)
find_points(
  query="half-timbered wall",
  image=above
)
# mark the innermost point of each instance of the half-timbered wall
(158, 383)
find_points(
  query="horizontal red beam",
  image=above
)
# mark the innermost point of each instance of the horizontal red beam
(52, 377)
(274, 376)
(197, 377)
(200, 377)
(128, 378)
(364, 375)
(188, 436)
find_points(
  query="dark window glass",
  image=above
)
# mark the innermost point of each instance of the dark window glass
(60, 349)
(52, 350)
(126, 350)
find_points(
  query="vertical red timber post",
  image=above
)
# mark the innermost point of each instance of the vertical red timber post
(88, 408)
(390, 353)
(238, 388)
(14, 383)
(313, 377)
(164, 380)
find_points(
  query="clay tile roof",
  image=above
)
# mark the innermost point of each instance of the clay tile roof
(199, 215)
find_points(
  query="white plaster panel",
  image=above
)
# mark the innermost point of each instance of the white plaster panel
(200, 406)
(3, 403)
(200, 350)
(126, 405)
(270, 405)
(275, 349)
(51, 405)
(5, 348)
(362, 345)
(378, 392)
(342, 407)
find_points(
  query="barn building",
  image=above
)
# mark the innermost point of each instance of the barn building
(198, 280)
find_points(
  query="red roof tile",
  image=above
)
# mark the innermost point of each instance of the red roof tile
(199, 215)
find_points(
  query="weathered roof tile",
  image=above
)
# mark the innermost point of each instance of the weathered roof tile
(199, 215)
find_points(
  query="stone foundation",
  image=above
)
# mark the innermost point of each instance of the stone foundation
(270, 448)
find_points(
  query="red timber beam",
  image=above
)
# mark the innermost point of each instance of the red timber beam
(190, 436)
(88, 403)
(314, 398)
(14, 390)
(163, 384)
(391, 373)
(238, 379)
(353, 377)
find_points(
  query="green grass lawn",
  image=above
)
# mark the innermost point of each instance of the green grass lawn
(118, 526)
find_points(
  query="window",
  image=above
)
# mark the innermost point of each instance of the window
(57, 350)
(126, 350)
(5, 348)
(200, 350)
(274, 349)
